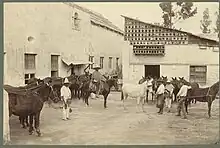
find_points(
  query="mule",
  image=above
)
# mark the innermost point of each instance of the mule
(137, 91)
(207, 94)
(104, 91)
(28, 102)
(193, 85)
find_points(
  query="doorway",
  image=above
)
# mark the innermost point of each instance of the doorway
(152, 70)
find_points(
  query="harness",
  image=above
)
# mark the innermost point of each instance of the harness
(207, 95)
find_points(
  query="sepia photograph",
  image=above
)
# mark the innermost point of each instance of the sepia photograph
(111, 73)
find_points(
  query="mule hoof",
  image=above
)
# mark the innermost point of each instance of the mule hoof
(30, 133)
(38, 134)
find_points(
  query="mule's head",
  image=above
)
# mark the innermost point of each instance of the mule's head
(142, 80)
(113, 81)
(214, 89)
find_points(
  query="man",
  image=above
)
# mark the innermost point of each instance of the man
(160, 95)
(168, 94)
(181, 98)
(150, 88)
(66, 98)
(96, 78)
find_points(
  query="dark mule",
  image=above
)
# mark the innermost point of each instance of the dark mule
(175, 83)
(193, 85)
(74, 86)
(28, 102)
(207, 94)
(83, 79)
(31, 83)
(104, 92)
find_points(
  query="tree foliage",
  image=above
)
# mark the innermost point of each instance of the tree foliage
(179, 11)
(217, 23)
(205, 22)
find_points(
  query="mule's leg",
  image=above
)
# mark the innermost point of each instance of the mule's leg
(105, 100)
(26, 120)
(186, 106)
(22, 121)
(123, 101)
(37, 123)
(147, 95)
(209, 108)
(138, 103)
(31, 125)
(87, 98)
(142, 104)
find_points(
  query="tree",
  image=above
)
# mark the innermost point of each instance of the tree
(217, 23)
(205, 22)
(172, 14)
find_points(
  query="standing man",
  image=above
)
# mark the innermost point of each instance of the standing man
(66, 98)
(168, 94)
(96, 78)
(181, 98)
(160, 95)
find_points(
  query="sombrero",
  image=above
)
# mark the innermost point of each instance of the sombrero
(66, 81)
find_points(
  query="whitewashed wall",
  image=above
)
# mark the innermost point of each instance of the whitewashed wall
(175, 63)
(106, 44)
(50, 25)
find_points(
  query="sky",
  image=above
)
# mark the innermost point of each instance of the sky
(147, 12)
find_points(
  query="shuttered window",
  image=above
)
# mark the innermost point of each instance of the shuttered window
(30, 61)
(54, 65)
(198, 74)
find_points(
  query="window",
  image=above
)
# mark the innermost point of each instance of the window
(110, 62)
(54, 65)
(27, 77)
(117, 62)
(29, 61)
(101, 62)
(30, 67)
(198, 74)
(91, 59)
(76, 20)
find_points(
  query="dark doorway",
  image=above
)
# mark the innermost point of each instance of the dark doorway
(152, 70)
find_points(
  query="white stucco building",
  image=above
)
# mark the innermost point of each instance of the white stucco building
(158, 51)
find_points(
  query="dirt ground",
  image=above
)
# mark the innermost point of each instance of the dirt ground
(95, 125)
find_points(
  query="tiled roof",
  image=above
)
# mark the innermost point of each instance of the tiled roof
(97, 18)
(208, 37)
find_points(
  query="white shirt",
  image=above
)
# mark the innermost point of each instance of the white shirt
(170, 88)
(160, 89)
(183, 91)
(65, 92)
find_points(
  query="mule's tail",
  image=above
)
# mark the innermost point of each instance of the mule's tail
(122, 96)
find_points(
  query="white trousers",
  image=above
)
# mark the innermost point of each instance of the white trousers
(66, 112)
(168, 101)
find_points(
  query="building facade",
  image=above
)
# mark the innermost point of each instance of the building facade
(160, 51)
(47, 42)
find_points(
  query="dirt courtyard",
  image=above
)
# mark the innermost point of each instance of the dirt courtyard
(95, 125)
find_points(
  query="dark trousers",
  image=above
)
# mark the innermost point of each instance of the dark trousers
(160, 102)
(181, 106)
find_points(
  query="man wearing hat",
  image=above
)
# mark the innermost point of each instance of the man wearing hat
(160, 95)
(66, 98)
(96, 78)
(181, 98)
(168, 94)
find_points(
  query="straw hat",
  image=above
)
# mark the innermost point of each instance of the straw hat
(66, 81)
